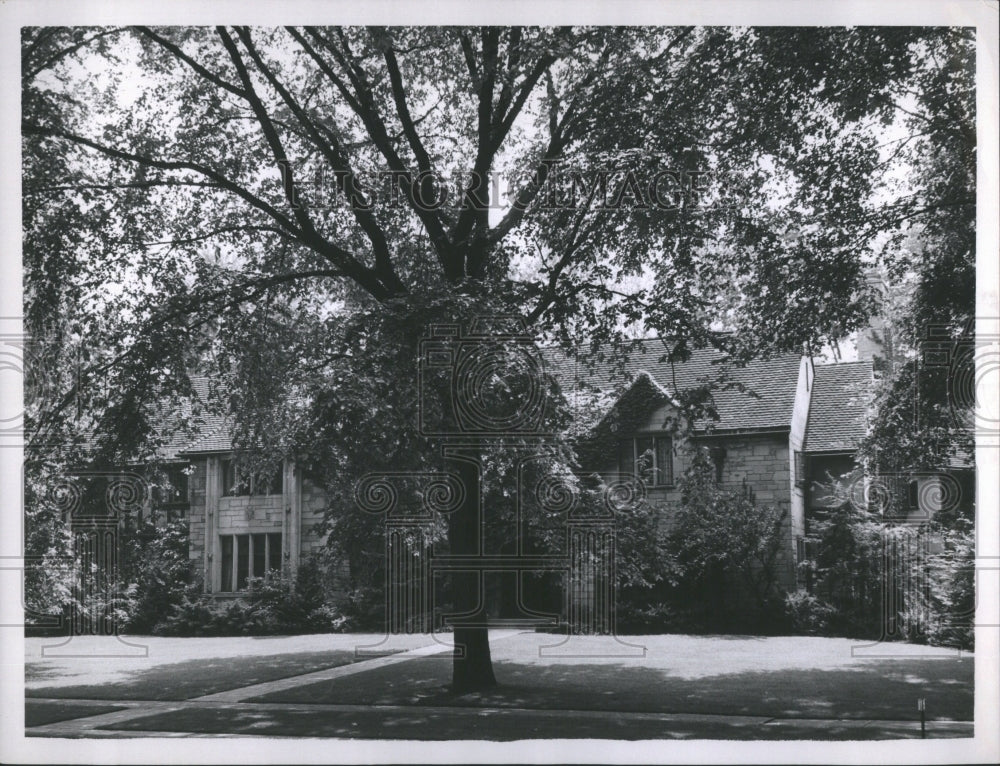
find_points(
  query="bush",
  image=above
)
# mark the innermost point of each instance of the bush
(723, 551)
(846, 569)
(274, 605)
(858, 554)
(158, 572)
(950, 610)
(658, 617)
(807, 615)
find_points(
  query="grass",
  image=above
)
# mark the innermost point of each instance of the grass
(780, 677)
(729, 687)
(182, 668)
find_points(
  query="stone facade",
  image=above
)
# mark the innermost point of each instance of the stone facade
(763, 439)
(759, 459)
(293, 514)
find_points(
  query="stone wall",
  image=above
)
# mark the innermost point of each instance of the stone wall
(762, 459)
(196, 512)
(294, 514)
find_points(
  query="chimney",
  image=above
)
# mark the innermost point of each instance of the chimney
(875, 342)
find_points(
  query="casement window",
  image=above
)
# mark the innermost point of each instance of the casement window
(172, 488)
(718, 457)
(800, 469)
(913, 495)
(648, 456)
(235, 483)
(246, 556)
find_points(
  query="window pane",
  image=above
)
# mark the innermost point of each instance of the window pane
(644, 456)
(178, 484)
(626, 460)
(227, 562)
(242, 561)
(274, 552)
(259, 555)
(664, 461)
(718, 455)
(277, 481)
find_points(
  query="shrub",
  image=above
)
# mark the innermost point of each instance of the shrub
(158, 572)
(275, 604)
(805, 614)
(862, 564)
(723, 551)
(951, 596)
(657, 617)
(846, 569)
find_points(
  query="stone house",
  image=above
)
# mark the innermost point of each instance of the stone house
(779, 425)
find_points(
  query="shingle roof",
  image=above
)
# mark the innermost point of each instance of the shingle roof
(764, 403)
(759, 395)
(837, 420)
(217, 439)
(211, 432)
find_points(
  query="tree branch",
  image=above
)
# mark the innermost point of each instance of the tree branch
(218, 178)
(29, 75)
(399, 96)
(311, 237)
(180, 54)
(366, 111)
(346, 178)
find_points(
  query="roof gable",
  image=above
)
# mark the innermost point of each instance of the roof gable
(838, 406)
(757, 396)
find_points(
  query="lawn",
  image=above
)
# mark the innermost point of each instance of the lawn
(710, 686)
(787, 677)
(182, 668)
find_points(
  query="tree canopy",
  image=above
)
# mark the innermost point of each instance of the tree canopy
(290, 207)
(179, 180)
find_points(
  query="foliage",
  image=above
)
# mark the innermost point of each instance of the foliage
(275, 604)
(192, 192)
(923, 409)
(205, 243)
(954, 590)
(49, 578)
(723, 542)
(873, 577)
(806, 614)
(847, 568)
(158, 570)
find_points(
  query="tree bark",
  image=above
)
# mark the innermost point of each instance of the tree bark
(473, 665)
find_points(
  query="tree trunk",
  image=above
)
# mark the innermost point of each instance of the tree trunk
(473, 666)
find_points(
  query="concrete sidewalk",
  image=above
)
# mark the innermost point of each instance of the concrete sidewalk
(705, 687)
(241, 719)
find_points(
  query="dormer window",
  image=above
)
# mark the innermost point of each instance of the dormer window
(649, 457)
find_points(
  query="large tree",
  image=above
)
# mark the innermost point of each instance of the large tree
(273, 200)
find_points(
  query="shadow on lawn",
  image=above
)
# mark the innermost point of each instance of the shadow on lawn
(872, 690)
(504, 725)
(191, 678)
